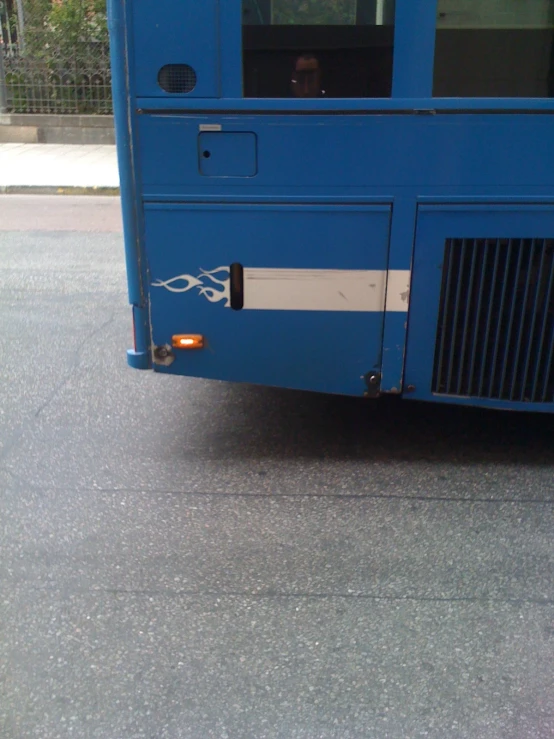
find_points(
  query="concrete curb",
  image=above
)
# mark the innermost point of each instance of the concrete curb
(55, 190)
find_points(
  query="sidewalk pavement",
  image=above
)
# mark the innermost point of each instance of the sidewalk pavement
(58, 168)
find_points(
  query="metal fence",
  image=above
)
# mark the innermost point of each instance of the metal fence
(42, 76)
(59, 84)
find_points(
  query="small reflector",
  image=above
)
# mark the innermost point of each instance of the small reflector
(188, 341)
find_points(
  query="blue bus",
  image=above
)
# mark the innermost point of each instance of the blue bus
(343, 196)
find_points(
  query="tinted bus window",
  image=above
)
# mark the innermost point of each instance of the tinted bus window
(494, 48)
(318, 48)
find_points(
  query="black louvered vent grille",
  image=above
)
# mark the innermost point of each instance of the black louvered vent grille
(177, 78)
(495, 336)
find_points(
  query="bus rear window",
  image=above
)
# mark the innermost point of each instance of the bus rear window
(317, 48)
(494, 48)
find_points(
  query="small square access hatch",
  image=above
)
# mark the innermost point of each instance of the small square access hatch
(227, 154)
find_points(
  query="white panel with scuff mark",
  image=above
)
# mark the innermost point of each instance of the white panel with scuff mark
(314, 289)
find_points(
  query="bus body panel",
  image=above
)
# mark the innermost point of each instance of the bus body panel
(369, 155)
(314, 291)
(481, 323)
(372, 236)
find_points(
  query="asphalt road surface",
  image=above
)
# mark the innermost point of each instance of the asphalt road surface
(183, 558)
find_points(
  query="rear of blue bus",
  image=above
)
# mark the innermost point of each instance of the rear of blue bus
(353, 200)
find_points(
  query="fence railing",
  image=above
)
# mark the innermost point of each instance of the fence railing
(44, 70)
(58, 82)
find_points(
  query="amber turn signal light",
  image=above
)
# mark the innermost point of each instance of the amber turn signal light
(187, 341)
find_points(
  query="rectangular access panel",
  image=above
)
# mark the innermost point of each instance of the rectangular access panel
(227, 154)
(481, 320)
(312, 291)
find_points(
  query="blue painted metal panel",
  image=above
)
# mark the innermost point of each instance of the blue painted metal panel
(435, 225)
(435, 156)
(230, 48)
(420, 106)
(414, 52)
(227, 154)
(169, 32)
(129, 178)
(377, 154)
(327, 351)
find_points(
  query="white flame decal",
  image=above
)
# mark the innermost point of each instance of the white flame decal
(220, 292)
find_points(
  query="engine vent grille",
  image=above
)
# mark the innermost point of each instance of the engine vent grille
(495, 336)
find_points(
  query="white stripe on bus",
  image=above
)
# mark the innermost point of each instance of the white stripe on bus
(326, 290)
(354, 290)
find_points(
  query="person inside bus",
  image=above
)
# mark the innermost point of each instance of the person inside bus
(306, 79)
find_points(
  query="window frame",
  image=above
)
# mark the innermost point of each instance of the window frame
(412, 85)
